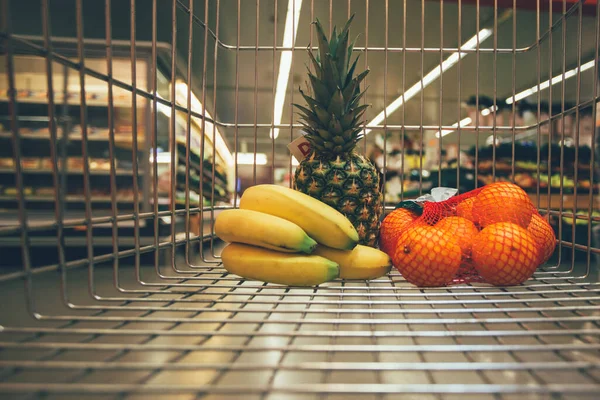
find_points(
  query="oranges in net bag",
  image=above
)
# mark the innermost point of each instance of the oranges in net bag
(392, 227)
(492, 234)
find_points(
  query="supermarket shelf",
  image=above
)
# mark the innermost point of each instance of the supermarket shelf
(50, 241)
(581, 201)
(78, 199)
(206, 174)
(119, 137)
(72, 101)
(38, 218)
(78, 240)
(118, 172)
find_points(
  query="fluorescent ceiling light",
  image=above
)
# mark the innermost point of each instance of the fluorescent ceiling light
(519, 96)
(181, 89)
(166, 110)
(161, 158)
(490, 140)
(285, 63)
(248, 158)
(433, 75)
(461, 123)
(545, 85)
(488, 111)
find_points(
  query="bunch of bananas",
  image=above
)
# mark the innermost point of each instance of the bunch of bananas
(282, 236)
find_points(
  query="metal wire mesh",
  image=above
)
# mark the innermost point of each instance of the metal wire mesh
(134, 303)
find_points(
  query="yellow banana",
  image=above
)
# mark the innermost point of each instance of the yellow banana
(321, 222)
(275, 267)
(362, 262)
(263, 230)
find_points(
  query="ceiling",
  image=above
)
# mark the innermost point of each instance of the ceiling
(427, 24)
(246, 77)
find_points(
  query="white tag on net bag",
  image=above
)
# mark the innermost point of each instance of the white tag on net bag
(438, 194)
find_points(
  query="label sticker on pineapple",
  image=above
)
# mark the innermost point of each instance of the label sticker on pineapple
(300, 148)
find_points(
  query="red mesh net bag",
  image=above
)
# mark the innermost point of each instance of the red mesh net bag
(492, 234)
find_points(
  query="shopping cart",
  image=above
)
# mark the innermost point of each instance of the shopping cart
(113, 173)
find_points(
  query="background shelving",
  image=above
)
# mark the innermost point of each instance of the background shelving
(35, 138)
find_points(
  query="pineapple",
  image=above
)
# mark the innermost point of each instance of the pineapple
(334, 172)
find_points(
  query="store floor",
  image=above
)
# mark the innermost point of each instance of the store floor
(200, 333)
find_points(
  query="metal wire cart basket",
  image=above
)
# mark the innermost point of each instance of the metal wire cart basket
(127, 127)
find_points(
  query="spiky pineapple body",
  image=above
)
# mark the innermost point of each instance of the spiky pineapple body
(334, 172)
(350, 184)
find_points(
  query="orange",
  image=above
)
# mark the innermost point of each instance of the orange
(465, 208)
(434, 212)
(462, 229)
(391, 228)
(427, 256)
(543, 234)
(505, 254)
(502, 202)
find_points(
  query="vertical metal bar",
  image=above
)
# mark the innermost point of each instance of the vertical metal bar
(539, 80)
(562, 121)
(594, 139)
(274, 85)
(577, 116)
(292, 87)
(214, 138)
(441, 102)
(458, 70)
(422, 97)
(403, 129)
(153, 139)
(111, 143)
(134, 144)
(203, 130)
(366, 83)
(188, 129)
(16, 148)
(477, 63)
(62, 153)
(330, 15)
(84, 146)
(54, 142)
(513, 88)
(173, 131)
(550, 133)
(255, 90)
(385, 75)
(495, 88)
(236, 107)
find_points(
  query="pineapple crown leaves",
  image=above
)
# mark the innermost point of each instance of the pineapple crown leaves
(333, 115)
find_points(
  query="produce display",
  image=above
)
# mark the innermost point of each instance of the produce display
(199, 174)
(280, 235)
(492, 234)
(329, 225)
(333, 171)
(553, 159)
